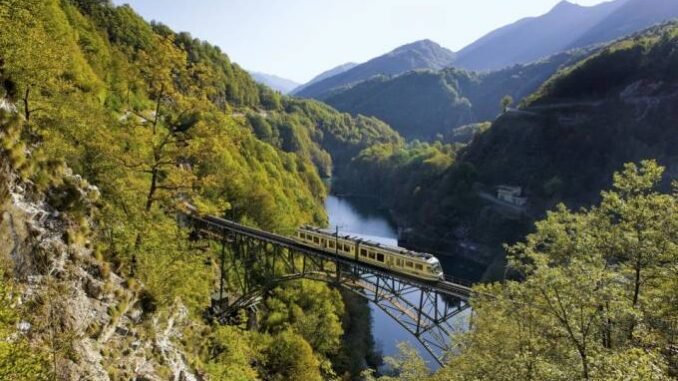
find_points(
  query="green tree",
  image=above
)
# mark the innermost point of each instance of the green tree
(643, 230)
(231, 356)
(290, 357)
(310, 309)
(407, 365)
(586, 275)
(28, 50)
(19, 360)
(506, 102)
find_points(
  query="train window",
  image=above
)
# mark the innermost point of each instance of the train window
(419, 267)
(332, 244)
(380, 257)
(371, 254)
(409, 264)
(347, 248)
(363, 252)
(316, 239)
(399, 262)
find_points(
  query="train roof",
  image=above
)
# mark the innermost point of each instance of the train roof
(429, 257)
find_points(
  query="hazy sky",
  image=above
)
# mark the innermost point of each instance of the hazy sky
(298, 39)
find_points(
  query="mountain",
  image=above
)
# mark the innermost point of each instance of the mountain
(283, 85)
(424, 103)
(615, 106)
(326, 74)
(566, 26)
(631, 16)
(626, 94)
(424, 54)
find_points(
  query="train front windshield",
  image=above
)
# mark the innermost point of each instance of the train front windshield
(437, 269)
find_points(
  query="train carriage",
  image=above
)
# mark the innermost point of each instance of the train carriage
(419, 265)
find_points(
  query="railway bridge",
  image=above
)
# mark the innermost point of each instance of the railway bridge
(260, 260)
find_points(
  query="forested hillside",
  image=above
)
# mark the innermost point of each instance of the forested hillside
(425, 103)
(616, 106)
(109, 124)
(595, 299)
(590, 293)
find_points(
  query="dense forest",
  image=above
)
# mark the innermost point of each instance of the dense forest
(112, 123)
(557, 146)
(425, 104)
(595, 299)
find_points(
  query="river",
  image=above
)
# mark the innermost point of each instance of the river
(361, 217)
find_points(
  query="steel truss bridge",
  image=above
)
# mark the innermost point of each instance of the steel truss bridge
(260, 260)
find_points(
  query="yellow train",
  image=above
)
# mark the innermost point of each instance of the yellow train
(419, 265)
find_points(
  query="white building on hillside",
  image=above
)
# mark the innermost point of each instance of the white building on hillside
(512, 195)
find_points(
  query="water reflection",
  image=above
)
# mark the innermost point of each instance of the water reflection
(361, 218)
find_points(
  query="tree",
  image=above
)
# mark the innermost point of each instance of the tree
(290, 357)
(18, 359)
(642, 223)
(231, 355)
(585, 276)
(506, 102)
(310, 309)
(31, 51)
(407, 365)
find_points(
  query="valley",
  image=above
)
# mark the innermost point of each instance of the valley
(529, 178)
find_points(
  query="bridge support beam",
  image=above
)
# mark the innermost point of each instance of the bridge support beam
(261, 261)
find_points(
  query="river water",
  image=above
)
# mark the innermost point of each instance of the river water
(361, 217)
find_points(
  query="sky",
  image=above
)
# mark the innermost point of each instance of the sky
(298, 39)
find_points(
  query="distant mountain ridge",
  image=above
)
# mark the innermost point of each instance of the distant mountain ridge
(513, 60)
(566, 26)
(424, 54)
(283, 85)
(422, 104)
(630, 17)
(326, 74)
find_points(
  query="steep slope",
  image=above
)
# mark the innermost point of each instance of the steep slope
(615, 107)
(566, 26)
(424, 103)
(326, 74)
(423, 54)
(108, 126)
(283, 85)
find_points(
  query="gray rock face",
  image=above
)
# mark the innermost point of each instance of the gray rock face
(91, 306)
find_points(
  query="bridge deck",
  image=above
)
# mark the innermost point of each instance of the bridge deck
(219, 226)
